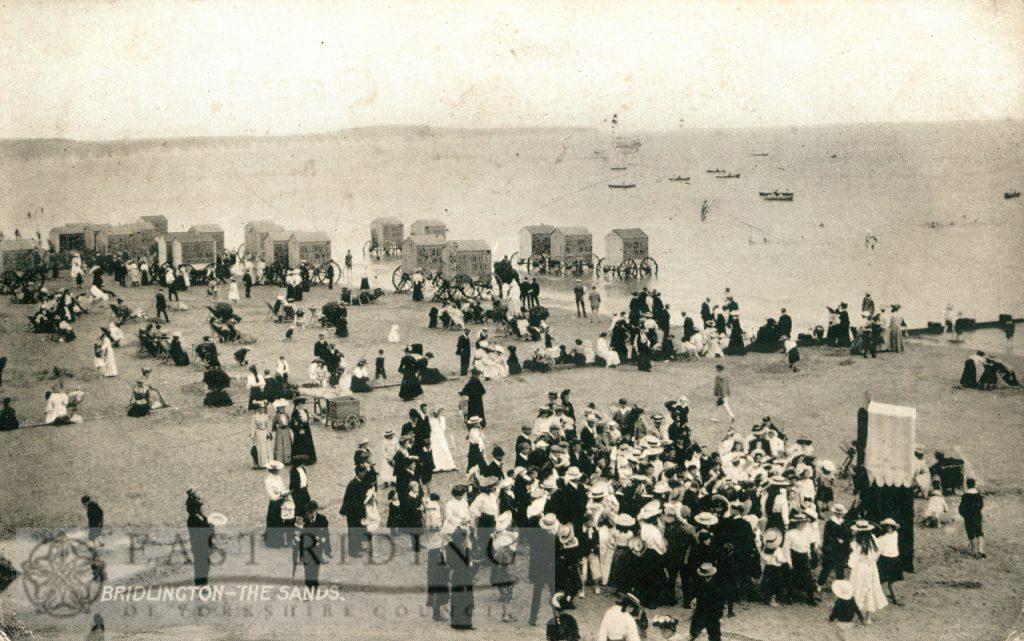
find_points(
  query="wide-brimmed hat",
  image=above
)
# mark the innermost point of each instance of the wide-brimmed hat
(707, 519)
(474, 420)
(707, 569)
(842, 589)
(662, 487)
(781, 481)
(772, 538)
(217, 519)
(664, 621)
(503, 521)
(862, 525)
(488, 482)
(827, 467)
(624, 520)
(629, 599)
(890, 522)
(550, 483)
(649, 510)
(573, 474)
(549, 522)
(275, 466)
(838, 509)
(566, 534)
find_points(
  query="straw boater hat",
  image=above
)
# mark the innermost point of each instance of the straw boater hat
(573, 474)
(707, 569)
(842, 589)
(549, 522)
(275, 466)
(550, 483)
(217, 519)
(838, 509)
(862, 526)
(624, 520)
(781, 481)
(890, 522)
(566, 535)
(597, 492)
(707, 519)
(772, 538)
(474, 421)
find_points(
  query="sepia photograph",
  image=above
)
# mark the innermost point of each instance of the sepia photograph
(719, 296)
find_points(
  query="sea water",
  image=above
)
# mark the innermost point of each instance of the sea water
(932, 195)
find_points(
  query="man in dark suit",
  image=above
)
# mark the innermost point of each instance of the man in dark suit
(321, 348)
(534, 293)
(464, 349)
(353, 508)
(161, 305)
(493, 467)
(247, 282)
(207, 352)
(569, 502)
(785, 324)
(94, 517)
(705, 312)
(312, 546)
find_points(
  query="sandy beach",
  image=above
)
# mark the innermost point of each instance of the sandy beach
(140, 468)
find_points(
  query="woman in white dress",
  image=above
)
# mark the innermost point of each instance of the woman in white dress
(233, 291)
(387, 473)
(442, 454)
(107, 352)
(867, 587)
(262, 440)
(611, 359)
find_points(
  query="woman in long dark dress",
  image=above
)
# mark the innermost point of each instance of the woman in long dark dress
(474, 392)
(430, 375)
(643, 352)
(361, 378)
(302, 436)
(178, 353)
(458, 556)
(514, 367)
(408, 367)
(736, 346)
(200, 534)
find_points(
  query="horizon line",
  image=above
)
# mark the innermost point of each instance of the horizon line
(481, 129)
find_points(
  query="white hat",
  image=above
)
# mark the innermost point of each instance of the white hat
(649, 510)
(842, 589)
(549, 522)
(573, 474)
(828, 467)
(275, 465)
(862, 526)
(503, 521)
(624, 520)
(217, 519)
(707, 519)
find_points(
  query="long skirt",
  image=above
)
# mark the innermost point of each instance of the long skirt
(278, 532)
(890, 569)
(410, 388)
(437, 579)
(618, 574)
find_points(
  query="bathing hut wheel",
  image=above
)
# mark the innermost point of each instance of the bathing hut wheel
(537, 263)
(648, 268)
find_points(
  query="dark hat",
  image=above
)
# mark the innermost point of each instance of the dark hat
(312, 506)
(497, 452)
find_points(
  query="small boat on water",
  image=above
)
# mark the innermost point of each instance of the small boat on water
(715, 171)
(727, 176)
(621, 168)
(1011, 194)
(621, 185)
(760, 155)
(776, 195)
(680, 179)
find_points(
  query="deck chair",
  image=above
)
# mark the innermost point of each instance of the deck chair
(271, 315)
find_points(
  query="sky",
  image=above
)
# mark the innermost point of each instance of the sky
(167, 68)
